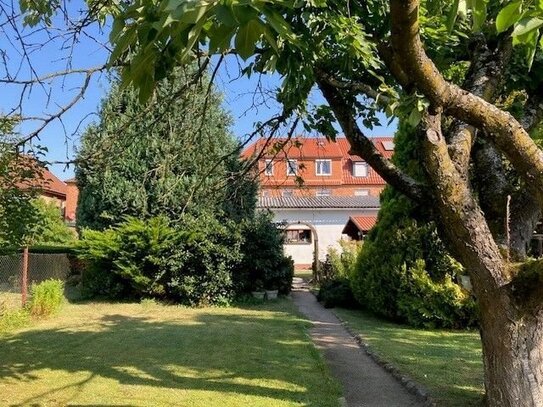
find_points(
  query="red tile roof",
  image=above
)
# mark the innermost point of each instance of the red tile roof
(364, 223)
(311, 148)
(44, 179)
(51, 184)
(295, 148)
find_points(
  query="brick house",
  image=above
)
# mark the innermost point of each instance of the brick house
(317, 191)
(62, 194)
(305, 167)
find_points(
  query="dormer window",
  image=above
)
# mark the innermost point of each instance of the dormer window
(292, 167)
(323, 167)
(268, 169)
(360, 169)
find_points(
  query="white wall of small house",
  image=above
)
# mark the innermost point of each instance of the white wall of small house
(329, 224)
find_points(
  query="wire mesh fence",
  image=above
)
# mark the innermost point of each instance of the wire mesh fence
(40, 267)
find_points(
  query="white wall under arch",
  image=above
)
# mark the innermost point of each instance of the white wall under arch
(329, 224)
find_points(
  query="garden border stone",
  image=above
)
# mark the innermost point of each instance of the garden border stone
(410, 385)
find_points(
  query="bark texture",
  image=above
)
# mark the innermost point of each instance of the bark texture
(512, 328)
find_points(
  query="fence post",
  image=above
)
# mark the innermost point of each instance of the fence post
(24, 276)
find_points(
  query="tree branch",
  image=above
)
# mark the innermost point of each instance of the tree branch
(463, 221)
(367, 90)
(483, 78)
(364, 148)
(499, 126)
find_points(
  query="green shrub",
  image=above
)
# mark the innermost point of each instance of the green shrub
(395, 277)
(197, 261)
(149, 258)
(339, 264)
(13, 319)
(264, 261)
(46, 298)
(337, 293)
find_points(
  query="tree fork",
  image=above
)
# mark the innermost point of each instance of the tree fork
(498, 126)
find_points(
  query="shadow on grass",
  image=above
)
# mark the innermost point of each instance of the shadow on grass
(242, 354)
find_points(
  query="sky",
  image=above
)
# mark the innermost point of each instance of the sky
(61, 137)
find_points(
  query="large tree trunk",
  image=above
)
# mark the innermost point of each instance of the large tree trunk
(512, 353)
(510, 313)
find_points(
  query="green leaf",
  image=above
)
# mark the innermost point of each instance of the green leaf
(526, 25)
(414, 118)
(220, 37)
(122, 43)
(531, 42)
(247, 37)
(278, 23)
(508, 16)
(479, 13)
(225, 15)
(453, 13)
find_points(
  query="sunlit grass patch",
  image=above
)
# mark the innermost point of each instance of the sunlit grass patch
(151, 354)
(448, 363)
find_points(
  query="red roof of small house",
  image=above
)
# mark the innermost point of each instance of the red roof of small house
(358, 226)
(364, 223)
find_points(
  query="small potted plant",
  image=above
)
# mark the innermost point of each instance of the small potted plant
(258, 290)
(272, 290)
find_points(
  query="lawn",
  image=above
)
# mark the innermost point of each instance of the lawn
(104, 354)
(447, 363)
(305, 274)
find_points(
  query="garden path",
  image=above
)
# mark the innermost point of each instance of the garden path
(365, 383)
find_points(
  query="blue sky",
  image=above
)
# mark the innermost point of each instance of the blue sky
(61, 137)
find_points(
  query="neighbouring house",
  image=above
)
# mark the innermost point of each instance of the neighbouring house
(317, 191)
(72, 195)
(62, 194)
(52, 189)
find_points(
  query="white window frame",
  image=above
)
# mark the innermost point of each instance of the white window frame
(268, 167)
(360, 163)
(318, 171)
(361, 192)
(323, 192)
(289, 168)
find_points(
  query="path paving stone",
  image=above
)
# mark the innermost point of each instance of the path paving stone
(365, 383)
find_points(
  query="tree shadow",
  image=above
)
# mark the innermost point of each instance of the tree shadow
(242, 354)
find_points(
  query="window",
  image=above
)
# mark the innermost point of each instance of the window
(388, 145)
(323, 167)
(360, 169)
(323, 192)
(361, 192)
(287, 193)
(292, 167)
(265, 193)
(268, 169)
(298, 236)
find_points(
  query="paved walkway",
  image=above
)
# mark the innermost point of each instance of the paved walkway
(365, 383)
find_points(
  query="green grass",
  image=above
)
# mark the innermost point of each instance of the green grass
(148, 354)
(447, 363)
(305, 274)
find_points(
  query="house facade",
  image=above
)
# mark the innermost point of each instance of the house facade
(317, 191)
(314, 167)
